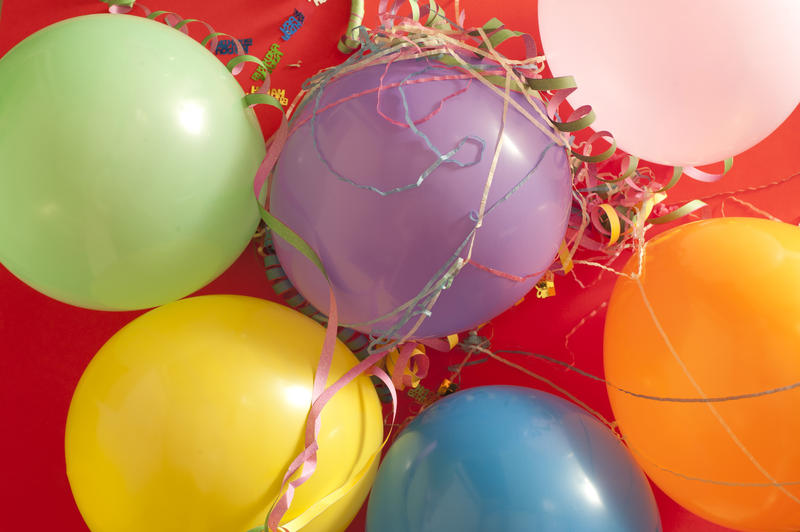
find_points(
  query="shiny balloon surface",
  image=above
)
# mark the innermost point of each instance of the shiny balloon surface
(509, 459)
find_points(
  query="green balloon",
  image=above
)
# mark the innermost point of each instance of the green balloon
(127, 157)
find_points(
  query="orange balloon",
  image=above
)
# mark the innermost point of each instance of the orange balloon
(715, 314)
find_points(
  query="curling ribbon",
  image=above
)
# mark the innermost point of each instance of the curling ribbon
(696, 174)
(409, 363)
(349, 42)
(121, 7)
(680, 212)
(614, 225)
(565, 257)
(322, 504)
(301, 469)
(649, 204)
(707, 177)
(613, 222)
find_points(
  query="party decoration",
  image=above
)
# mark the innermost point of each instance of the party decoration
(512, 459)
(705, 346)
(678, 82)
(126, 158)
(270, 61)
(292, 24)
(386, 174)
(188, 417)
(228, 46)
(279, 95)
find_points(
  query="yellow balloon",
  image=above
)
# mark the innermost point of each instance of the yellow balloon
(188, 417)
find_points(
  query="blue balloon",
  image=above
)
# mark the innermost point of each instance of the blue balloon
(510, 459)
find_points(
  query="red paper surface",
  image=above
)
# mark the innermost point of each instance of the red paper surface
(45, 345)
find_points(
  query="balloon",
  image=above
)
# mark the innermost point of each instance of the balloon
(726, 294)
(189, 416)
(511, 459)
(678, 82)
(126, 163)
(381, 249)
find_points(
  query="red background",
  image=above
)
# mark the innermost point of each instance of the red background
(45, 345)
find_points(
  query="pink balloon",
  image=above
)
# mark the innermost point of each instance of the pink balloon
(679, 82)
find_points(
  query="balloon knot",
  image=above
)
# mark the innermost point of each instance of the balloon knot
(474, 343)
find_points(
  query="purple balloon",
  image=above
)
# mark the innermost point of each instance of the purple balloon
(387, 205)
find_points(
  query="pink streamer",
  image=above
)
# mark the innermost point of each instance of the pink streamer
(276, 143)
(307, 459)
(382, 87)
(297, 123)
(509, 276)
(116, 9)
(700, 175)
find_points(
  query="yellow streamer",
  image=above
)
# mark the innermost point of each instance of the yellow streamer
(613, 223)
